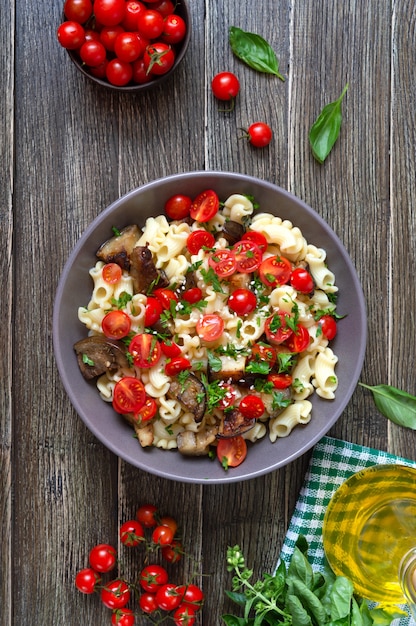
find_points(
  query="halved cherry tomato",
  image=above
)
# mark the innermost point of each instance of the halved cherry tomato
(258, 238)
(192, 295)
(176, 365)
(178, 207)
(242, 301)
(223, 262)
(199, 239)
(129, 395)
(276, 327)
(147, 412)
(280, 381)
(230, 395)
(145, 350)
(251, 406)
(263, 352)
(275, 271)
(153, 311)
(166, 296)
(170, 349)
(210, 327)
(205, 206)
(248, 256)
(299, 340)
(111, 273)
(329, 326)
(232, 451)
(116, 324)
(301, 280)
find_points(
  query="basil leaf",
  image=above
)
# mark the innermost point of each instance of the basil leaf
(325, 130)
(398, 406)
(253, 50)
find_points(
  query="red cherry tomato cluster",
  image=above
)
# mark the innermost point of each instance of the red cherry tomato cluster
(123, 41)
(157, 595)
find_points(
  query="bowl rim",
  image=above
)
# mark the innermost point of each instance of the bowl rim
(234, 476)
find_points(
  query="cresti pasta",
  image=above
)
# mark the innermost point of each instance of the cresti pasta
(312, 371)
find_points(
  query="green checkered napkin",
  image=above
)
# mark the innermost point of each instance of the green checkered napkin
(332, 462)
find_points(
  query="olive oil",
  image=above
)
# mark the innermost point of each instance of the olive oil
(369, 527)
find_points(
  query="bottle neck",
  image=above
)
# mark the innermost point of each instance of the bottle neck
(407, 577)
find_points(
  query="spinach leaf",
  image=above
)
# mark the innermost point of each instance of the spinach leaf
(325, 130)
(395, 404)
(255, 51)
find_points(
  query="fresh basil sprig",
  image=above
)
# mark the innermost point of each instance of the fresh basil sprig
(395, 404)
(325, 130)
(255, 51)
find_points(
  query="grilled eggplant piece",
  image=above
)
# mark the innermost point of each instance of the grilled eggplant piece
(232, 231)
(234, 423)
(119, 248)
(144, 272)
(191, 394)
(196, 444)
(239, 281)
(102, 355)
(232, 369)
(272, 407)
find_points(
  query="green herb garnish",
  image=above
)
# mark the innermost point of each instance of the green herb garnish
(254, 51)
(325, 130)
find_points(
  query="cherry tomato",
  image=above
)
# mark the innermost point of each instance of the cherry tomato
(71, 35)
(258, 238)
(92, 35)
(299, 340)
(111, 273)
(223, 262)
(166, 297)
(205, 206)
(103, 558)
(86, 580)
(259, 134)
(109, 12)
(328, 325)
(147, 602)
(100, 71)
(119, 73)
(78, 10)
(131, 533)
(232, 451)
(150, 23)
(177, 207)
(122, 617)
(147, 411)
(145, 350)
(242, 301)
(170, 349)
(173, 552)
(184, 615)
(176, 365)
(115, 594)
(146, 515)
(166, 520)
(192, 595)
(263, 352)
(108, 36)
(301, 280)
(129, 395)
(167, 597)
(225, 86)
(192, 295)
(248, 256)
(92, 53)
(131, 13)
(174, 29)
(252, 406)
(152, 577)
(158, 58)
(165, 7)
(140, 76)
(229, 396)
(275, 271)
(116, 324)
(128, 47)
(277, 329)
(210, 327)
(163, 535)
(199, 239)
(280, 381)
(153, 311)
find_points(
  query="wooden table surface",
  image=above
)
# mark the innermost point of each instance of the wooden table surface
(68, 149)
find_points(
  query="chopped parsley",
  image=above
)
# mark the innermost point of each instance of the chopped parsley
(122, 301)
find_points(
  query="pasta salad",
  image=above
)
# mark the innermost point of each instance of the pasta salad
(210, 326)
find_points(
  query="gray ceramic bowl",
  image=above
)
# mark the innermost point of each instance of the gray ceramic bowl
(75, 290)
(182, 10)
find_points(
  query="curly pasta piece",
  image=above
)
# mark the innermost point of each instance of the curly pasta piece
(326, 381)
(294, 414)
